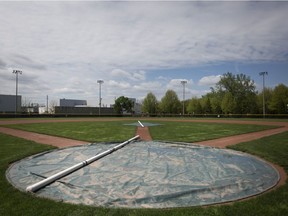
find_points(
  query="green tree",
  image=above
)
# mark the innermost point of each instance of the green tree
(207, 108)
(241, 88)
(279, 100)
(194, 106)
(216, 100)
(150, 104)
(123, 104)
(170, 103)
(268, 92)
(228, 103)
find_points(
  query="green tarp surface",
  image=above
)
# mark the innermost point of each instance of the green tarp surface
(147, 174)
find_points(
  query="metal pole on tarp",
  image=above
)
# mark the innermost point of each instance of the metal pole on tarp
(141, 124)
(37, 186)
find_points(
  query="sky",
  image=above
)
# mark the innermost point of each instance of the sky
(137, 47)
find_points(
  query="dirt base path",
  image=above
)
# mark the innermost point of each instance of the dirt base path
(144, 133)
(233, 140)
(41, 138)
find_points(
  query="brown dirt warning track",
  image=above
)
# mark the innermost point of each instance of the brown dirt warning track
(145, 135)
(42, 138)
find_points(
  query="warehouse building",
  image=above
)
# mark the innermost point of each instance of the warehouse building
(72, 103)
(79, 107)
(8, 103)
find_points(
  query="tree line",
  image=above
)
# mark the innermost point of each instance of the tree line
(233, 94)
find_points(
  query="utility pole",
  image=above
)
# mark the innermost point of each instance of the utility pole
(263, 74)
(47, 104)
(100, 82)
(183, 82)
(16, 100)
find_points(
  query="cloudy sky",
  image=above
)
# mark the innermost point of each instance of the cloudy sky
(63, 48)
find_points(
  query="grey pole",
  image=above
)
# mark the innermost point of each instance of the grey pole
(16, 100)
(47, 109)
(263, 74)
(100, 99)
(183, 82)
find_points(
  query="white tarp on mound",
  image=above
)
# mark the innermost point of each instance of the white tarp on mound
(147, 174)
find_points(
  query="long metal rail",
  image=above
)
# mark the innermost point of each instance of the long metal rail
(37, 186)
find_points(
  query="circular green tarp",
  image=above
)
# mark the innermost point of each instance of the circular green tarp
(147, 174)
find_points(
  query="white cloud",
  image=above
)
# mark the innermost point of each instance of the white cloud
(68, 91)
(123, 34)
(209, 80)
(120, 73)
(163, 78)
(146, 87)
(134, 76)
(124, 41)
(116, 84)
(140, 75)
(176, 83)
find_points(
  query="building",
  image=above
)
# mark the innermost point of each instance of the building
(8, 103)
(34, 109)
(84, 110)
(72, 103)
(136, 106)
(79, 107)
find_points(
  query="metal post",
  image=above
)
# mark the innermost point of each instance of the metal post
(37, 186)
(16, 100)
(100, 99)
(263, 74)
(47, 104)
(183, 82)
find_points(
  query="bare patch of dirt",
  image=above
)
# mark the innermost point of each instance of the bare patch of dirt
(144, 133)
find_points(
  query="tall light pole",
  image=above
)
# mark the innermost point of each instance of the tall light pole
(263, 74)
(47, 99)
(183, 82)
(16, 100)
(100, 99)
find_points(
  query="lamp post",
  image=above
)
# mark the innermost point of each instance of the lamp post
(183, 82)
(263, 74)
(100, 99)
(47, 109)
(16, 100)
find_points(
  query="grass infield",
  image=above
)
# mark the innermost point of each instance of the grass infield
(195, 132)
(14, 202)
(117, 130)
(114, 131)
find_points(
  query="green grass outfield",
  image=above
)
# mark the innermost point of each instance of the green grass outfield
(114, 131)
(111, 131)
(14, 202)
